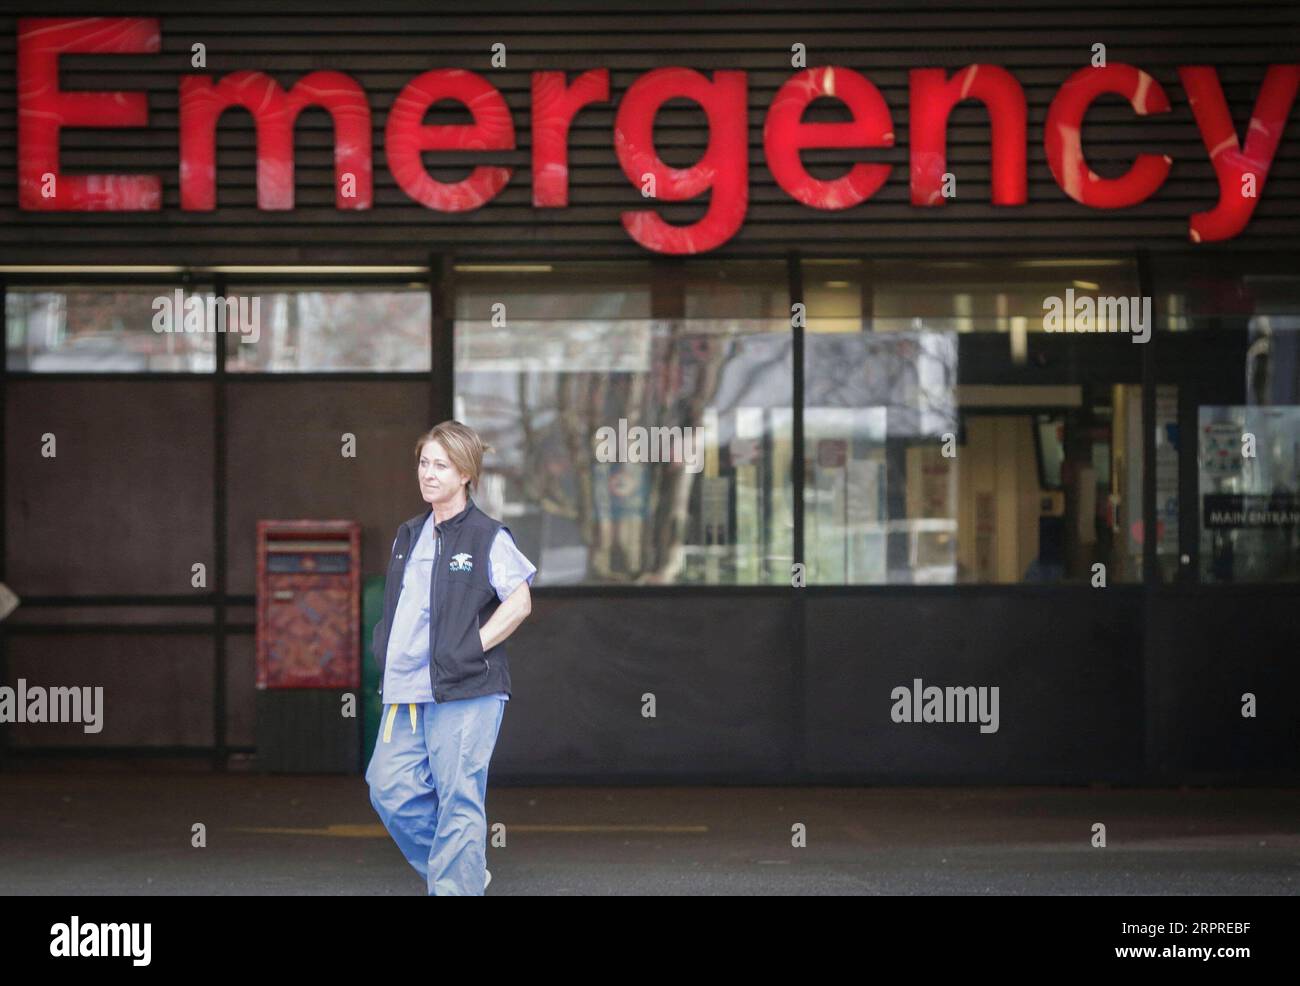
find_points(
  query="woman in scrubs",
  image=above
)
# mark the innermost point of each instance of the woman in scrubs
(428, 774)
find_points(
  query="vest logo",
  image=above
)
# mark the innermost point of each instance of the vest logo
(462, 563)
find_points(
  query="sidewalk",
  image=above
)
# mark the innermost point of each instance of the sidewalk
(130, 833)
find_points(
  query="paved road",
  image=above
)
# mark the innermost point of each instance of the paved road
(129, 832)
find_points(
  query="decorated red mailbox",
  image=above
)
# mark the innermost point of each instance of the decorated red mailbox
(308, 604)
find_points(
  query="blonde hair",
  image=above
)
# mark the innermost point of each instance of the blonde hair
(464, 447)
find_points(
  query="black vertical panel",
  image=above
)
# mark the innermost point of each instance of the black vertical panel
(1150, 562)
(219, 751)
(4, 639)
(798, 481)
(1189, 483)
(442, 311)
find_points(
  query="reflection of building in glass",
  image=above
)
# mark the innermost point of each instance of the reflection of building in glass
(946, 438)
(1249, 502)
(542, 390)
(881, 489)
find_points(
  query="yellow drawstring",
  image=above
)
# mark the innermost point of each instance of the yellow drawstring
(388, 726)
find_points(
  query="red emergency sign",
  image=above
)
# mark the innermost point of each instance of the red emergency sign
(721, 174)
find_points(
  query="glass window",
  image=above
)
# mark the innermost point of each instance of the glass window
(108, 329)
(640, 415)
(299, 330)
(1002, 294)
(943, 444)
(1249, 479)
(1231, 358)
(495, 293)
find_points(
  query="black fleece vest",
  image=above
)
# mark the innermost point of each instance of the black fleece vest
(461, 600)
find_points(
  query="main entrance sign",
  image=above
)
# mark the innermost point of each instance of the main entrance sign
(721, 174)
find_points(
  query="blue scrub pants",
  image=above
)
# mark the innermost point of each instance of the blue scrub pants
(428, 780)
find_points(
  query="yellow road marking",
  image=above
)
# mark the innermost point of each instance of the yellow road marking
(606, 828)
(372, 831)
(342, 831)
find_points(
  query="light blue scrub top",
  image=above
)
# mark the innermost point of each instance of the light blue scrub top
(406, 665)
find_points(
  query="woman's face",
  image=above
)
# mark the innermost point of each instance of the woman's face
(440, 481)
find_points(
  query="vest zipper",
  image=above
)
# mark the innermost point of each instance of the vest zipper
(382, 659)
(433, 599)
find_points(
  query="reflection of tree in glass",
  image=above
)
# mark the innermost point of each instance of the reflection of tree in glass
(912, 375)
(687, 368)
(539, 392)
(341, 330)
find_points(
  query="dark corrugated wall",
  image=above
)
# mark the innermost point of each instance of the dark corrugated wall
(384, 45)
